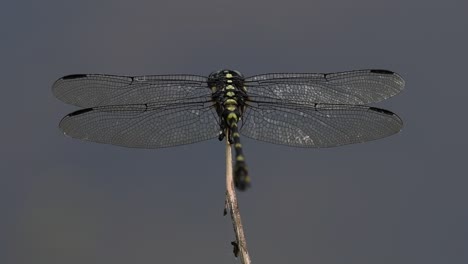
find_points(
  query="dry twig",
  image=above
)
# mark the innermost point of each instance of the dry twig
(240, 245)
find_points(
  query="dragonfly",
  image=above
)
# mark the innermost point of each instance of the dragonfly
(309, 110)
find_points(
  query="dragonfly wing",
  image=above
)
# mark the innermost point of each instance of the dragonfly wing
(352, 87)
(317, 126)
(91, 90)
(144, 125)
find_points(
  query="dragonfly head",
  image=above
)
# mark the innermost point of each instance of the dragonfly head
(225, 73)
(220, 78)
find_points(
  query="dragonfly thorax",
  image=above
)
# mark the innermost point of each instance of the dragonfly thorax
(228, 93)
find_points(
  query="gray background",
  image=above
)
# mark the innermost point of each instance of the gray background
(397, 200)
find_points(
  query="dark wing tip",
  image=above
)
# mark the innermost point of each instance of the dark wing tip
(58, 82)
(74, 76)
(396, 120)
(380, 110)
(388, 113)
(399, 79)
(382, 72)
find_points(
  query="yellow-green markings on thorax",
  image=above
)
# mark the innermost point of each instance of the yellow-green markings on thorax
(231, 103)
(232, 118)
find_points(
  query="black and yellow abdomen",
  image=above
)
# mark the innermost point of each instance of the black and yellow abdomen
(229, 95)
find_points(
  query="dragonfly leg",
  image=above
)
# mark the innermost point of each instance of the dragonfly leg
(235, 248)
(221, 135)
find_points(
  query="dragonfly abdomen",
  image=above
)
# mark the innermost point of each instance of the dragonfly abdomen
(241, 175)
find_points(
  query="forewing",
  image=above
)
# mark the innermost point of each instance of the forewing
(143, 125)
(318, 126)
(91, 90)
(352, 87)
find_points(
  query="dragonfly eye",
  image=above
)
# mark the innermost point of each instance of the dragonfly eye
(238, 74)
(215, 74)
(214, 79)
(224, 73)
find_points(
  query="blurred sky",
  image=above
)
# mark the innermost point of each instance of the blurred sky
(402, 199)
